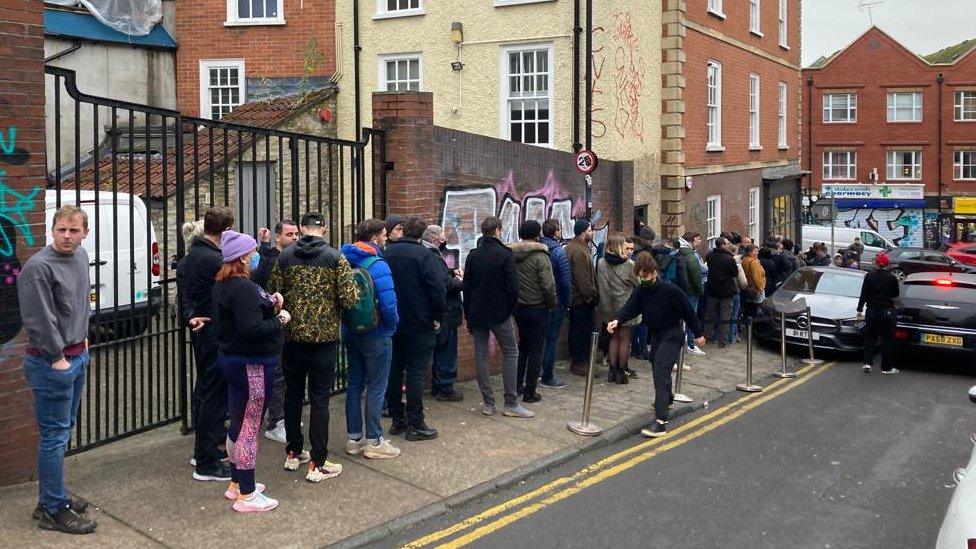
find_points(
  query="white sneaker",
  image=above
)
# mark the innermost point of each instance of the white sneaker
(892, 371)
(255, 503)
(517, 411)
(292, 462)
(696, 351)
(318, 473)
(234, 490)
(278, 433)
(866, 368)
(353, 447)
(381, 450)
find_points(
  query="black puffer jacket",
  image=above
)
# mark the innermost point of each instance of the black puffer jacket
(723, 275)
(418, 280)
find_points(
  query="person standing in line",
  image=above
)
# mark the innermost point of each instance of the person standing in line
(878, 292)
(491, 293)
(418, 281)
(687, 251)
(200, 267)
(286, 234)
(755, 274)
(643, 244)
(819, 257)
(369, 350)
(857, 249)
(394, 227)
(443, 371)
(790, 261)
(616, 280)
(584, 297)
(722, 287)
(317, 284)
(551, 231)
(663, 306)
(744, 242)
(248, 324)
(52, 291)
(770, 271)
(536, 297)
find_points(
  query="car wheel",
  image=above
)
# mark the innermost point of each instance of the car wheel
(899, 274)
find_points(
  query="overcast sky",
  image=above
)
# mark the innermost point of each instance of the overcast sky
(923, 26)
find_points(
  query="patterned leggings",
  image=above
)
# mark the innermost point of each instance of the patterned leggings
(249, 384)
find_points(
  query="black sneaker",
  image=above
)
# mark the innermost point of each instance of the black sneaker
(67, 520)
(78, 505)
(453, 396)
(421, 431)
(657, 429)
(398, 426)
(219, 472)
(531, 396)
(630, 372)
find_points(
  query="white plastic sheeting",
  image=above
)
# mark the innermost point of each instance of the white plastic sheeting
(133, 17)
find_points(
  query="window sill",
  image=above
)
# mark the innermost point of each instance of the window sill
(964, 121)
(504, 3)
(399, 14)
(840, 122)
(714, 148)
(757, 33)
(784, 147)
(718, 14)
(904, 121)
(255, 23)
(784, 47)
(755, 147)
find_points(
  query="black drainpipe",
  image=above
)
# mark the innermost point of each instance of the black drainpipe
(939, 79)
(810, 146)
(356, 48)
(577, 30)
(589, 98)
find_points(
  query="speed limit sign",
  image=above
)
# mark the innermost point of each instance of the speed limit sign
(585, 161)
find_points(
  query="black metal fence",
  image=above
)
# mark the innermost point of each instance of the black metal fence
(140, 173)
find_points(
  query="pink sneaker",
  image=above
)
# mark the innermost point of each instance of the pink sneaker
(234, 490)
(255, 503)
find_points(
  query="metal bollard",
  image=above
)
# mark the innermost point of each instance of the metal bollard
(782, 348)
(749, 386)
(811, 361)
(584, 427)
(678, 395)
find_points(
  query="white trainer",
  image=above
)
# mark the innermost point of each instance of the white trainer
(293, 462)
(277, 434)
(234, 490)
(353, 447)
(696, 350)
(257, 502)
(383, 449)
(318, 473)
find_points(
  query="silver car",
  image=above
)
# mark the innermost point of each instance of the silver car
(959, 527)
(832, 294)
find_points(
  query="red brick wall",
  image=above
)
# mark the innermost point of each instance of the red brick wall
(22, 177)
(733, 187)
(871, 67)
(268, 51)
(736, 24)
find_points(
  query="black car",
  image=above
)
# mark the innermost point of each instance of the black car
(937, 311)
(906, 261)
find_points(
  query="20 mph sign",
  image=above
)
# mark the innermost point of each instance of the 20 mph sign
(585, 161)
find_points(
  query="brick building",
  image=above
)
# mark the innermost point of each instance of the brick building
(234, 52)
(731, 122)
(877, 108)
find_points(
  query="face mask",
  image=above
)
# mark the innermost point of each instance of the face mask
(255, 259)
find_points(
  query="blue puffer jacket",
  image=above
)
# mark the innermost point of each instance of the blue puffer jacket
(560, 270)
(383, 287)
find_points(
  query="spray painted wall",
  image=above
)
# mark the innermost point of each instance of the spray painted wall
(905, 227)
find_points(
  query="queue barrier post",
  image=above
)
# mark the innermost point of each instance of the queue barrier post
(811, 360)
(749, 386)
(584, 427)
(782, 373)
(678, 395)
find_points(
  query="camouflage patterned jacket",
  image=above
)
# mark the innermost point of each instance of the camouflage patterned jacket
(316, 282)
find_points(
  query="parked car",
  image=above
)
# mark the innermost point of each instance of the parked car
(843, 237)
(936, 312)
(124, 256)
(959, 526)
(906, 261)
(832, 296)
(963, 252)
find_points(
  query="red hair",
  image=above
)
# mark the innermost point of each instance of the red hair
(233, 269)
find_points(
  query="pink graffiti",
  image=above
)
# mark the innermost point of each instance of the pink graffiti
(552, 191)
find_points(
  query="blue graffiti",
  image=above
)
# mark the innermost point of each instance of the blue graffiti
(9, 153)
(14, 207)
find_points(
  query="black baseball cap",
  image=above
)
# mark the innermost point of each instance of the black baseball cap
(313, 219)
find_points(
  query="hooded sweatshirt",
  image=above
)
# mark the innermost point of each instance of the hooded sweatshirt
(537, 286)
(693, 268)
(615, 281)
(316, 282)
(662, 306)
(379, 271)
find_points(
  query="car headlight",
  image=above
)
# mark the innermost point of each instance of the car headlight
(856, 323)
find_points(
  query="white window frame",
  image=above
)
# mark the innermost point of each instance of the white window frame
(382, 11)
(381, 81)
(959, 164)
(755, 137)
(784, 142)
(784, 11)
(828, 108)
(755, 17)
(848, 162)
(504, 123)
(713, 117)
(754, 209)
(205, 66)
(713, 218)
(503, 3)
(960, 112)
(715, 8)
(893, 108)
(234, 20)
(893, 169)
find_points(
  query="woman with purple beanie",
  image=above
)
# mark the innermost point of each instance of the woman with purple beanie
(249, 324)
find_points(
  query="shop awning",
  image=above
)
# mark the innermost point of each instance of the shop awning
(83, 26)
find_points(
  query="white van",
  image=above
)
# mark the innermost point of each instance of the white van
(843, 237)
(125, 260)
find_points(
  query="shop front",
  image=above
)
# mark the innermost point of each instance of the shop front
(901, 212)
(964, 219)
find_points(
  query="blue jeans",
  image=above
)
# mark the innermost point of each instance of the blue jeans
(736, 314)
(693, 299)
(556, 317)
(444, 370)
(57, 394)
(368, 368)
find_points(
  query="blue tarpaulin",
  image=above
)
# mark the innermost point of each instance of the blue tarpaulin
(72, 25)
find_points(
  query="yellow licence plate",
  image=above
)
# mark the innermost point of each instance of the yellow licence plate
(938, 339)
(92, 296)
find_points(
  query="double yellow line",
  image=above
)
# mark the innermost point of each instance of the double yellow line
(608, 467)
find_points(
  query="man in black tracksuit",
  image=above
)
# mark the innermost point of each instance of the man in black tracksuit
(879, 291)
(195, 281)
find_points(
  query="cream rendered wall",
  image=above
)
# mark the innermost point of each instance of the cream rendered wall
(626, 58)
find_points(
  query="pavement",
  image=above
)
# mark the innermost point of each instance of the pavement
(830, 460)
(144, 495)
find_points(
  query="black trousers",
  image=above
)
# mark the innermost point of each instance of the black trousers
(316, 364)
(665, 347)
(532, 324)
(411, 354)
(582, 321)
(209, 400)
(880, 324)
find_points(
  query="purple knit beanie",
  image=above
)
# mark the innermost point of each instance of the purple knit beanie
(235, 245)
